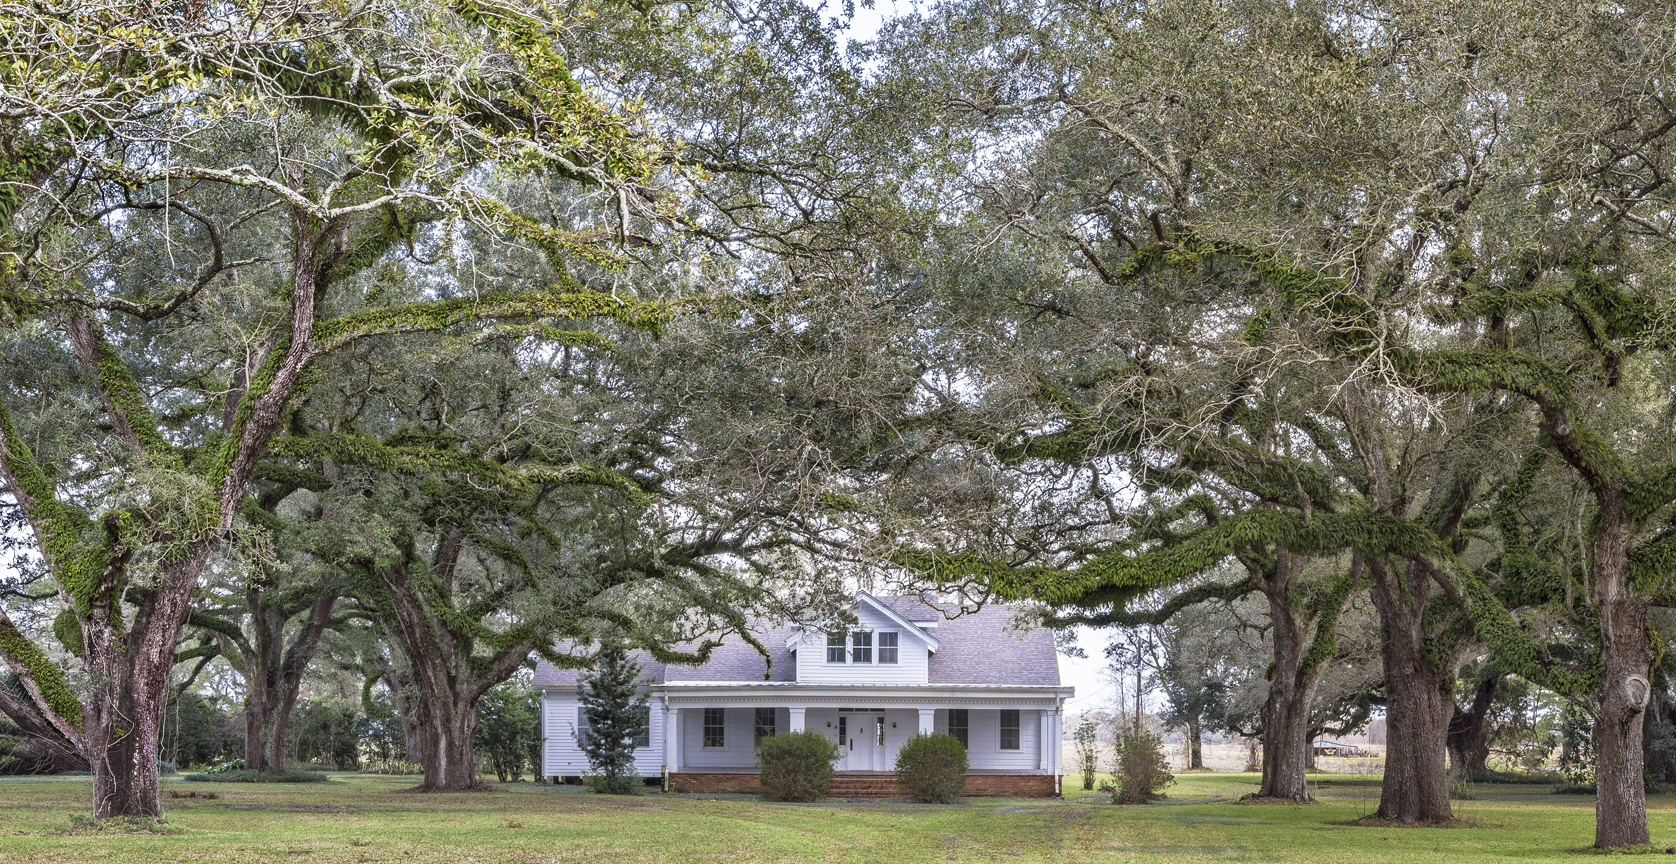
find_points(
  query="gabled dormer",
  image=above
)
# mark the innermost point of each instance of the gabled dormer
(884, 646)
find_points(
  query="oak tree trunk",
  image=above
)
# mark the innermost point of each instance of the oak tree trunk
(1469, 730)
(450, 756)
(1626, 669)
(255, 724)
(1286, 713)
(1195, 749)
(289, 677)
(1418, 702)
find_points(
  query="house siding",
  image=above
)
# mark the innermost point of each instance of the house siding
(561, 756)
(983, 739)
(912, 666)
(738, 738)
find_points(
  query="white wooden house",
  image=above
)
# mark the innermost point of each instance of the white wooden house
(905, 667)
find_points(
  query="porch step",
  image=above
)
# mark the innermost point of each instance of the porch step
(864, 786)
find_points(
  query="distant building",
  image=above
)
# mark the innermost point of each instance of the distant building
(904, 668)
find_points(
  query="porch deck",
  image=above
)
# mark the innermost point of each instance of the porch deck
(981, 782)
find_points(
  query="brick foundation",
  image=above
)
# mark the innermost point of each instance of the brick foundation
(692, 781)
(848, 785)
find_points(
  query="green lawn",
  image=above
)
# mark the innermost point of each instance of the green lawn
(364, 819)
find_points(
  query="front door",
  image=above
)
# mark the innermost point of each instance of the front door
(861, 741)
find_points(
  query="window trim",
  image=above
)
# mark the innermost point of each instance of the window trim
(861, 646)
(721, 726)
(842, 646)
(964, 736)
(895, 646)
(772, 727)
(1017, 728)
(647, 734)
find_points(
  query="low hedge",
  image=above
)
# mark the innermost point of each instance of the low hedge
(796, 766)
(242, 776)
(932, 768)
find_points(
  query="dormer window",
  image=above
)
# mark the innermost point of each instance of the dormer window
(861, 647)
(834, 647)
(887, 647)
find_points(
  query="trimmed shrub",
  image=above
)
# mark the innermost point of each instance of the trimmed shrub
(1142, 769)
(796, 766)
(932, 768)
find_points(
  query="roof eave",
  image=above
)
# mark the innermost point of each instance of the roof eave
(901, 621)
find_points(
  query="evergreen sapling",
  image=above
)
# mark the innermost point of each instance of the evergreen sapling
(615, 716)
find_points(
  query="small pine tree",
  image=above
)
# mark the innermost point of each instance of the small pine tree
(1087, 738)
(616, 715)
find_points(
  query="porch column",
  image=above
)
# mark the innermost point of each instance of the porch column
(1058, 743)
(927, 721)
(672, 739)
(1045, 757)
(796, 718)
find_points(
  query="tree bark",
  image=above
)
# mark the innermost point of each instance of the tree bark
(449, 678)
(1468, 737)
(1195, 742)
(124, 714)
(255, 723)
(273, 671)
(1418, 701)
(408, 710)
(450, 754)
(289, 680)
(1291, 689)
(1626, 675)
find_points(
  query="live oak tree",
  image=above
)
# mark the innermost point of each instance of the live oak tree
(493, 491)
(269, 624)
(191, 192)
(1458, 207)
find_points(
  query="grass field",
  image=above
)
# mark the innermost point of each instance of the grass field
(358, 818)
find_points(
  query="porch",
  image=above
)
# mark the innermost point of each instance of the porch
(871, 784)
(1012, 750)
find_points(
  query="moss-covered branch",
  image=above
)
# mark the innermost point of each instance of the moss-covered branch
(42, 679)
(1121, 617)
(442, 314)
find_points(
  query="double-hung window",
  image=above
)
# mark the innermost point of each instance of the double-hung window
(887, 647)
(765, 723)
(834, 647)
(584, 729)
(861, 647)
(644, 739)
(715, 727)
(959, 722)
(1009, 729)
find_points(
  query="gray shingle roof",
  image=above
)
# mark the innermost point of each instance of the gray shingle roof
(977, 648)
